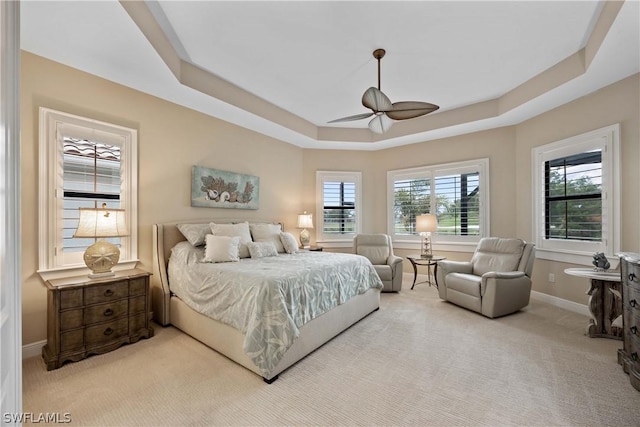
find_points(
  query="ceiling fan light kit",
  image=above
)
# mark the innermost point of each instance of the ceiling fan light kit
(383, 110)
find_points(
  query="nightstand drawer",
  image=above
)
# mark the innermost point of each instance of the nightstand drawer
(138, 286)
(104, 312)
(71, 319)
(71, 340)
(104, 293)
(106, 332)
(70, 298)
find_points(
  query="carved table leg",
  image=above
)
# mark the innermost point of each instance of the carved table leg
(415, 272)
(594, 308)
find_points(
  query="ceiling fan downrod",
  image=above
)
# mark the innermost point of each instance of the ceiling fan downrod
(379, 54)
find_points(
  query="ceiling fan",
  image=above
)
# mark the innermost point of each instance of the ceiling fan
(382, 108)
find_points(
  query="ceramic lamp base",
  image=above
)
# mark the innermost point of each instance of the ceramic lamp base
(101, 257)
(304, 238)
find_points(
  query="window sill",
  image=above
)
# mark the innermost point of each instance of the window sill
(438, 246)
(579, 258)
(80, 270)
(335, 243)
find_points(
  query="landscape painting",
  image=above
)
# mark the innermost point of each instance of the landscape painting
(213, 188)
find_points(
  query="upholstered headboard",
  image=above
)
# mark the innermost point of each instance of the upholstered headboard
(165, 237)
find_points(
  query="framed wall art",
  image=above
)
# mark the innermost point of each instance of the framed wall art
(213, 188)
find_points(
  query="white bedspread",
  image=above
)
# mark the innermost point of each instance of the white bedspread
(268, 299)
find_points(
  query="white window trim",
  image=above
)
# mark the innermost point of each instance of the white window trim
(346, 240)
(442, 243)
(578, 252)
(51, 122)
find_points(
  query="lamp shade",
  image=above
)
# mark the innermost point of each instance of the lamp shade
(305, 220)
(101, 223)
(426, 223)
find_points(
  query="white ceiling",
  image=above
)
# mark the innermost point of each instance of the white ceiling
(311, 61)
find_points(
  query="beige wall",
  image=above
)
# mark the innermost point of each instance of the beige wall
(173, 138)
(617, 103)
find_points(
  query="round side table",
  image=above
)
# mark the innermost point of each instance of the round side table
(417, 260)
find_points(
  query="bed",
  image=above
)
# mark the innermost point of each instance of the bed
(300, 333)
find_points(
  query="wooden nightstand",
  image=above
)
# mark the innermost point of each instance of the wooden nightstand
(94, 316)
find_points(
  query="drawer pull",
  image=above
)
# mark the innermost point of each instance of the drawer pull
(108, 312)
(108, 331)
(108, 293)
(632, 277)
(634, 356)
(633, 303)
(634, 330)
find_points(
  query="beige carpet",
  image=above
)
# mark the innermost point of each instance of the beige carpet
(417, 361)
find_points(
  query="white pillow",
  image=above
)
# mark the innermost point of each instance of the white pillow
(195, 233)
(289, 242)
(221, 249)
(240, 230)
(265, 232)
(262, 249)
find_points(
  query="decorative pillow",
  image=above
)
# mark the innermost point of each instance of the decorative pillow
(262, 249)
(289, 242)
(265, 232)
(221, 249)
(240, 230)
(195, 233)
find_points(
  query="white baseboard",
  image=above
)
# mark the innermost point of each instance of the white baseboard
(33, 349)
(562, 303)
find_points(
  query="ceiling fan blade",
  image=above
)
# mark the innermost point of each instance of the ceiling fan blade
(380, 123)
(352, 118)
(410, 109)
(376, 100)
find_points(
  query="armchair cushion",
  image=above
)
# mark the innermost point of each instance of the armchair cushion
(466, 283)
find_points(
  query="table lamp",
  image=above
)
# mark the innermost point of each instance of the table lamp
(96, 223)
(425, 224)
(305, 221)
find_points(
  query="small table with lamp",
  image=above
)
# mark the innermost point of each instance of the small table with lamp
(425, 225)
(417, 260)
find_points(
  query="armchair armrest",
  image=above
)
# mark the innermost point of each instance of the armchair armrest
(393, 260)
(446, 267)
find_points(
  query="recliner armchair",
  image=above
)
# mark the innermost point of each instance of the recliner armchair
(497, 280)
(379, 250)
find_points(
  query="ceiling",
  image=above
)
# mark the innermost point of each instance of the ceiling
(285, 69)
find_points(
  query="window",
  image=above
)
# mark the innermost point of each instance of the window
(91, 177)
(576, 198)
(457, 193)
(83, 163)
(339, 204)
